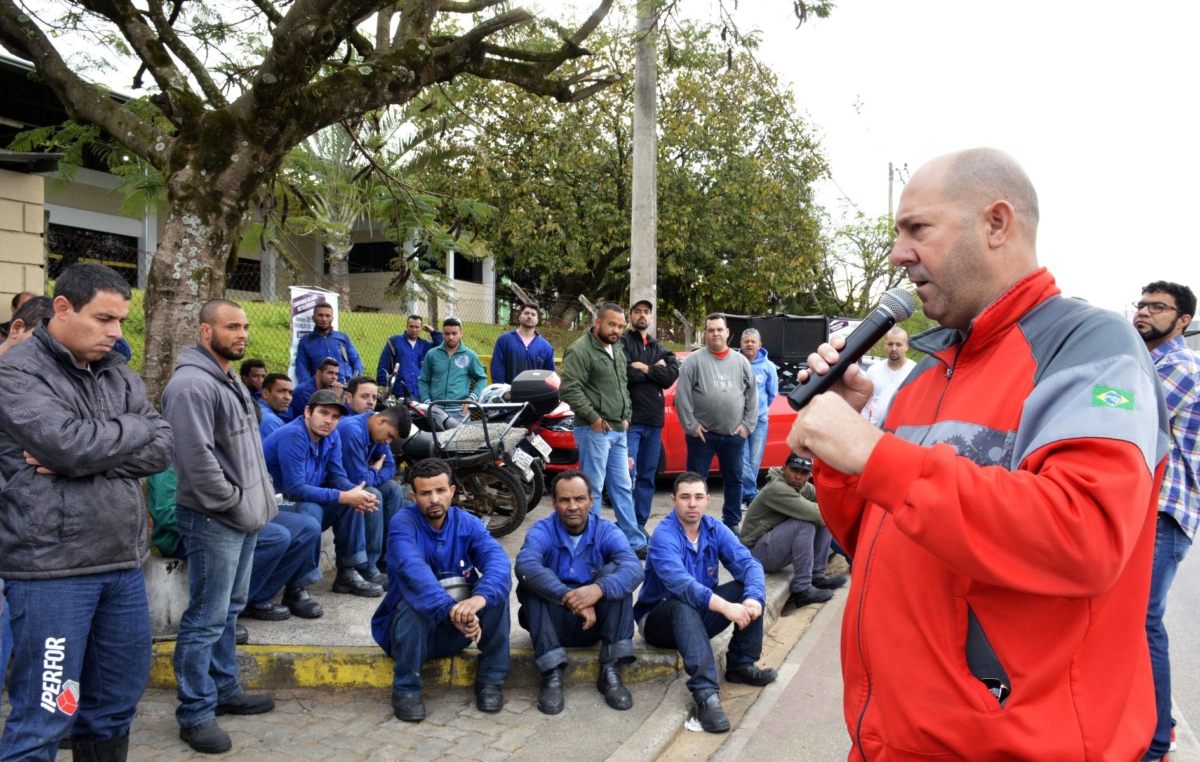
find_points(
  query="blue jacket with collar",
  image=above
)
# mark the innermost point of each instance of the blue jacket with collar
(303, 470)
(550, 568)
(766, 375)
(510, 356)
(674, 569)
(410, 357)
(418, 555)
(300, 396)
(359, 452)
(313, 348)
(270, 423)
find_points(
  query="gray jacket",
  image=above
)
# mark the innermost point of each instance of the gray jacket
(95, 429)
(218, 454)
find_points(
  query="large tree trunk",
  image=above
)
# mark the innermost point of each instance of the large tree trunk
(339, 274)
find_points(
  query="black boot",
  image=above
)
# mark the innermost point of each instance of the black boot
(111, 750)
(809, 596)
(750, 674)
(350, 581)
(821, 582)
(408, 708)
(300, 603)
(206, 738)
(712, 717)
(488, 698)
(550, 700)
(609, 683)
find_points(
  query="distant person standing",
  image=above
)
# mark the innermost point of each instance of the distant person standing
(766, 378)
(717, 402)
(595, 385)
(521, 349)
(887, 376)
(253, 373)
(452, 371)
(652, 369)
(321, 342)
(404, 355)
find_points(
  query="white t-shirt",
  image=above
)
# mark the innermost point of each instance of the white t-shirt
(886, 382)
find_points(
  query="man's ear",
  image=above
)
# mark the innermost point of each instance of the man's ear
(1001, 220)
(1185, 321)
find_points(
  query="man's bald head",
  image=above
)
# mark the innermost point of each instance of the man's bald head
(978, 177)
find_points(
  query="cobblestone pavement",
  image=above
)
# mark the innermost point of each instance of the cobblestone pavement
(337, 726)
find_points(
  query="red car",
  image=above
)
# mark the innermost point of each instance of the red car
(558, 430)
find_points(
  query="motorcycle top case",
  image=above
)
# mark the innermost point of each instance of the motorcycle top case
(537, 387)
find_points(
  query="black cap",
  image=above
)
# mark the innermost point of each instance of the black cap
(795, 461)
(327, 397)
(646, 302)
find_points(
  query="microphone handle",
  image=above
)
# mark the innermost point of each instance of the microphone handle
(865, 336)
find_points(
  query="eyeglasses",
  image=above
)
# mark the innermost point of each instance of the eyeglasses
(1154, 308)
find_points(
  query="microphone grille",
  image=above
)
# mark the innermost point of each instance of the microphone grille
(900, 303)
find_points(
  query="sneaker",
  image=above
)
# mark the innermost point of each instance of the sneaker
(488, 698)
(247, 703)
(350, 581)
(1174, 746)
(750, 674)
(809, 596)
(821, 582)
(408, 708)
(712, 717)
(206, 738)
(550, 700)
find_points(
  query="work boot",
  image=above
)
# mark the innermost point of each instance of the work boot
(110, 750)
(241, 636)
(550, 700)
(408, 708)
(821, 582)
(488, 698)
(247, 703)
(206, 738)
(350, 581)
(609, 683)
(712, 717)
(300, 603)
(810, 595)
(750, 674)
(266, 611)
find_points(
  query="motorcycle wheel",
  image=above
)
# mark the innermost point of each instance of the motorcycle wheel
(494, 495)
(535, 488)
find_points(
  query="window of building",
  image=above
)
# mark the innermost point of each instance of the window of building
(372, 257)
(246, 276)
(67, 245)
(467, 269)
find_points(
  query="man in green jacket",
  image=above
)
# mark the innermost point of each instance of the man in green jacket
(451, 371)
(784, 526)
(595, 385)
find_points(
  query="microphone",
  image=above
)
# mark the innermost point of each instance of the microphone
(896, 306)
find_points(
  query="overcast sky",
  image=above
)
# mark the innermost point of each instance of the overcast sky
(1097, 100)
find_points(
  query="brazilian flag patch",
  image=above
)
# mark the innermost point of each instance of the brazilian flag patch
(1117, 399)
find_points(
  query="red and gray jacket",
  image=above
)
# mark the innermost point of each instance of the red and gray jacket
(1002, 535)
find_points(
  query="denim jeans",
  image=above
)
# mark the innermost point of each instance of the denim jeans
(1170, 547)
(416, 640)
(675, 624)
(752, 461)
(801, 544)
(90, 636)
(5, 635)
(284, 555)
(219, 561)
(645, 444)
(349, 531)
(554, 629)
(391, 499)
(604, 457)
(730, 451)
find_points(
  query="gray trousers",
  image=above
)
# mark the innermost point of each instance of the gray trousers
(802, 544)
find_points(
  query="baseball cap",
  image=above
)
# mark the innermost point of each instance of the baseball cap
(327, 397)
(646, 302)
(795, 461)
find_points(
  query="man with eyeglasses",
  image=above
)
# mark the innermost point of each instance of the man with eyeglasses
(1163, 314)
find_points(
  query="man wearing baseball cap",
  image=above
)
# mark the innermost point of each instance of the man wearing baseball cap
(783, 526)
(305, 461)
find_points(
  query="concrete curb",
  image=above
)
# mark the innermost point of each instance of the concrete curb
(278, 667)
(661, 727)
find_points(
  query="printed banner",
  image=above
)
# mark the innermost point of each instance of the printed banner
(304, 298)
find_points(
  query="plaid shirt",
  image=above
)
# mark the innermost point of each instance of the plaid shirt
(1179, 368)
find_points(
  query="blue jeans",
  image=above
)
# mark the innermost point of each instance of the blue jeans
(391, 499)
(284, 555)
(1170, 547)
(81, 660)
(5, 635)
(752, 461)
(604, 457)
(555, 628)
(730, 452)
(416, 640)
(349, 531)
(645, 444)
(219, 561)
(675, 624)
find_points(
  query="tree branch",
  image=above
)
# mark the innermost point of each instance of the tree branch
(469, 6)
(185, 54)
(144, 41)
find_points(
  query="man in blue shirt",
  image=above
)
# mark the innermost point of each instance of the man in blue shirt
(274, 402)
(577, 578)
(321, 342)
(435, 550)
(253, 372)
(521, 349)
(404, 354)
(305, 462)
(367, 458)
(683, 607)
(326, 378)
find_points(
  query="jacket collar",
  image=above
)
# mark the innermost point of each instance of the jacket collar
(63, 356)
(1176, 344)
(562, 536)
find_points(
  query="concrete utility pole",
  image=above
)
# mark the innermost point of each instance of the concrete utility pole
(643, 257)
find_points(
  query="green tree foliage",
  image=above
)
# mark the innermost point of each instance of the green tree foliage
(738, 228)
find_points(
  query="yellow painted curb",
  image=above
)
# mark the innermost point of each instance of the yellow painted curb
(276, 667)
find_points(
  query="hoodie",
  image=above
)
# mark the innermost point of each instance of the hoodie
(766, 375)
(218, 454)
